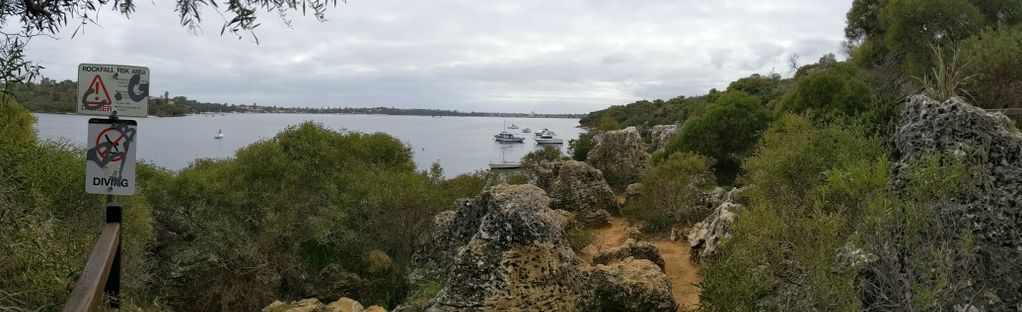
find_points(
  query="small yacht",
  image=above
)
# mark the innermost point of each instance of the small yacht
(506, 165)
(542, 132)
(512, 126)
(549, 137)
(508, 137)
(219, 135)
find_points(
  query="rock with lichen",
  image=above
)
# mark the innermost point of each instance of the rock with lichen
(621, 156)
(630, 249)
(661, 135)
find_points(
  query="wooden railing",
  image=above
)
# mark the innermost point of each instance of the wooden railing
(102, 274)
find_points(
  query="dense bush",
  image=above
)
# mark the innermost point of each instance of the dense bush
(992, 56)
(672, 192)
(308, 213)
(48, 224)
(837, 90)
(727, 131)
(807, 186)
(580, 147)
(766, 88)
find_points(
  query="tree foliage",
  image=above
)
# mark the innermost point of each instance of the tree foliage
(993, 57)
(727, 131)
(672, 192)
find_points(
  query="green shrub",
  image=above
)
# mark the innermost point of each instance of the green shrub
(672, 193)
(838, 90)
(808, 188)
(992, 56)
(608, 123)
(48, 224)
(726, 132)
(288, 213)
(580, 147)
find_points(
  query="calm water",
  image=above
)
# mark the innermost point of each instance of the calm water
(460, 144)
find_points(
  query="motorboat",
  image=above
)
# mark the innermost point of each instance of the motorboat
(549, 138)
(219, 135)
(505, 165)
(542, 131)
(512, 126)
(508, 137)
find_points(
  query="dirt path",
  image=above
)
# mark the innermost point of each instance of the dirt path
(684, 274)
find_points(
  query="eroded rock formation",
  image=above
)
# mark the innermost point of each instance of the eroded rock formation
(661, 135)
(516, 258)
(621, 156)
(704, 236)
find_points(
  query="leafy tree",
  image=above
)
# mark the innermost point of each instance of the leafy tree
(727, 131)
(993, 57)
(580, 147)
(767, 88)
(839, 89)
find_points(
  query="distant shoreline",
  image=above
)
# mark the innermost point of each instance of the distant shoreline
(499, 115)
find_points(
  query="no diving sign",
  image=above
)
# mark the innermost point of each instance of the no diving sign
(110, 158)
(107, 89)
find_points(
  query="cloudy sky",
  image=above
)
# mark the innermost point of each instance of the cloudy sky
(507, 56)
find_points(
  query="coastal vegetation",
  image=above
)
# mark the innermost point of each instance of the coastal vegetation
(856, 192)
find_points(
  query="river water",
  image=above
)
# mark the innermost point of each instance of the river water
(460, 144)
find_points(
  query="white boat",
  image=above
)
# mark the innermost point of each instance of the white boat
(508, 137)
(542, 132)
(219, 135)
(512, 126)
(506, 165)
(549, 138)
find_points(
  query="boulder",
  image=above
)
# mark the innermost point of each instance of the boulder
(991, 206)
(707, 234)
(580, 188)
(516, 258)
(620, 155)
(314, 305)
(632, 285)
(595, 218)
(631, 249)
(661, 135)
(633, 190)
(345, 304)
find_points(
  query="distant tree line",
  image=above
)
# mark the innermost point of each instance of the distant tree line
(51, 96)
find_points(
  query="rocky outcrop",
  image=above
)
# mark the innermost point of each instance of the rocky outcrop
(516, 259)
(661, 135)
(631, 249)
(314, 305)
(990, 207)
(580, 188)
(706, 235)
(632, 285)
(620, 155)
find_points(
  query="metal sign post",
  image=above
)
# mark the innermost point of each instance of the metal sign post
(117, 91)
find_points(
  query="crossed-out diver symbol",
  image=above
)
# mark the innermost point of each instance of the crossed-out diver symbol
(105, 143)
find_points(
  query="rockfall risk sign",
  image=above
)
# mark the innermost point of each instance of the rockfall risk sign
(104, 89)
(110, 158)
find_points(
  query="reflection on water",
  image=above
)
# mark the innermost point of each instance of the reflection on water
(460, 144)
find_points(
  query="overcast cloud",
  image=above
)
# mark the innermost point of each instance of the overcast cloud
(530, 55)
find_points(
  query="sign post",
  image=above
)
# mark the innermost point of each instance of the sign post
(115, 91)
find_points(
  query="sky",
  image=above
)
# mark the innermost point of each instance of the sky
(567, 56)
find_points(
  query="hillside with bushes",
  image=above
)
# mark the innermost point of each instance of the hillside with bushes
(881, 182)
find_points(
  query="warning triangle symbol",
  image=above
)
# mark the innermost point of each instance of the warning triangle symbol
(99, 96)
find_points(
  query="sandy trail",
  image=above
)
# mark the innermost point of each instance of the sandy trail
(684, 274)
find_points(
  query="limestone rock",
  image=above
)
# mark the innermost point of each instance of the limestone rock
(345, 305)
(594, 218)
(581, 188)
(990, 209)
(631, 249)
(633, 190)
(707, 234)
(620, 155)
(375, 309)
(632, 285)
(661, 135)
(516, 258)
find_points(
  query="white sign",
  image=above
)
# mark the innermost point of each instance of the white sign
(110, 159)
(105, 89)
